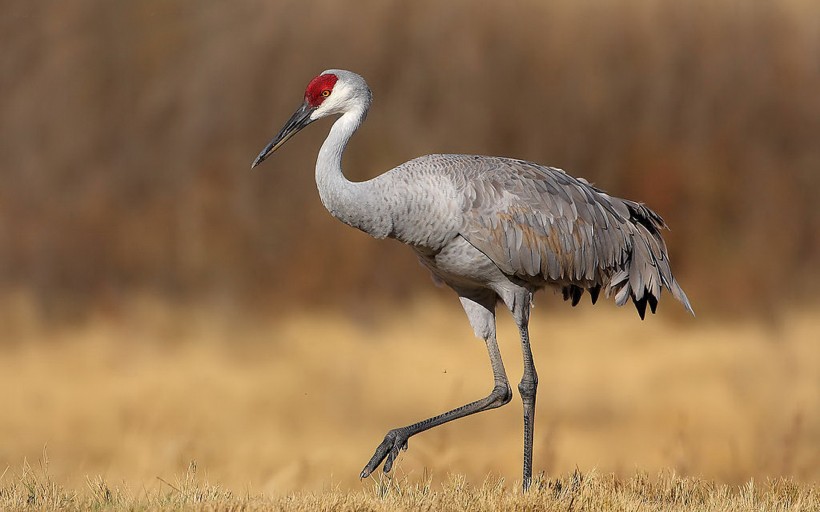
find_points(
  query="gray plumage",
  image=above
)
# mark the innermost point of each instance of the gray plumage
(493, 229)
(538, 225)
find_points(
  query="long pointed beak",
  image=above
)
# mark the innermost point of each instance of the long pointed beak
(297, 121)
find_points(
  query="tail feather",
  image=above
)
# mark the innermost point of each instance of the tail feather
(653, 302)
(573, 292)
(640, 305)
(593, 293)
(646, 271)
(679, 294)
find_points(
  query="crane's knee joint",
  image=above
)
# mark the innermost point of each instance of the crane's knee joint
(528, 387)
(502, 394)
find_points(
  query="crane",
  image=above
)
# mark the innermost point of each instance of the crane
(494, 230)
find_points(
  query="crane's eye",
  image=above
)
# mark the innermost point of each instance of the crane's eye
(325, 93)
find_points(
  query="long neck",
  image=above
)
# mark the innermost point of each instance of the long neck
(360, 205)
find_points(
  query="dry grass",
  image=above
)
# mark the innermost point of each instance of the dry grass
(298, 404)
(34, 489)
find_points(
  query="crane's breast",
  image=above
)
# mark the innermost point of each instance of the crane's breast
(425, 207)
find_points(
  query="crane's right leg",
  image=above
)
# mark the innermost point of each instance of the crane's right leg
(481, 312)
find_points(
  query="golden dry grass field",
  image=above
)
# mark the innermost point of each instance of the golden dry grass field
(298, 403)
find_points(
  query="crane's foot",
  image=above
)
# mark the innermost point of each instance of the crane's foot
(387, 451)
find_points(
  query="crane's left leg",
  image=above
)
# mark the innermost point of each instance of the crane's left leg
(527, 387)
(529, 381)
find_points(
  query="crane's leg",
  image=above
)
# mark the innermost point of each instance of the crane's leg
(481, 312)
(519, 304)
(527, 387)
(529, 381)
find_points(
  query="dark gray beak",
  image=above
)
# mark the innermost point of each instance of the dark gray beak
(297, 121)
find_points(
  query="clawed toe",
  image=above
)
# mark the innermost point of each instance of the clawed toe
(387, 451)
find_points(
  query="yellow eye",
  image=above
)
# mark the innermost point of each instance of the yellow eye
(325, 93)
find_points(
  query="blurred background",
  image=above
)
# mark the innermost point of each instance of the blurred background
(134, 240)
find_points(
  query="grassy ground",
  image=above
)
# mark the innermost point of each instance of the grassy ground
(34, 489)
(121, 406)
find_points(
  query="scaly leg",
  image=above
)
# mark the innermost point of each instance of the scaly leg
(519, 302)
(527, 387)
(481, 313)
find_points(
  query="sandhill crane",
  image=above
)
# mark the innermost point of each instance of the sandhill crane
(493, 229)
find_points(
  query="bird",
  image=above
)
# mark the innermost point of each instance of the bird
(495, 230)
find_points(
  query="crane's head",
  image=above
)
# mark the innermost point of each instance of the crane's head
(334, 91)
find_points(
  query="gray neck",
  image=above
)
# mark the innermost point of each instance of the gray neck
(360, 205)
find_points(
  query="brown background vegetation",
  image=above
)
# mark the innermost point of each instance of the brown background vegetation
(128, 128)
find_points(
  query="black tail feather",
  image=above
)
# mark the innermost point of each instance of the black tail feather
(653, 302)
(572, 292)
(640, 305)
(577, 291)
(594, 291)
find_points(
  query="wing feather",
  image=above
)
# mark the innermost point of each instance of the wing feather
(540, 224)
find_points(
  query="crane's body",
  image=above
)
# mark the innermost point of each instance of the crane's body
(493, 229)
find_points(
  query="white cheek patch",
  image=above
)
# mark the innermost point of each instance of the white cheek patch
(333, 104)
(327, 107)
